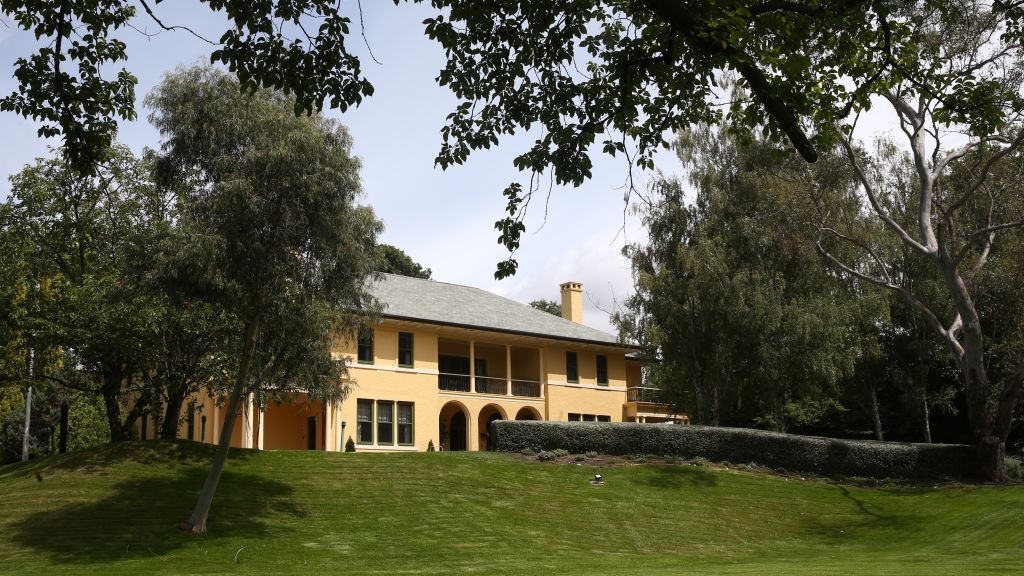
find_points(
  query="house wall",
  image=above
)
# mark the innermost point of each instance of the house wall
(285, 425)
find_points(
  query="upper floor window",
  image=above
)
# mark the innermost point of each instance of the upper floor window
(405, 349)
(602, 369)
(572, 367)
(366, 345)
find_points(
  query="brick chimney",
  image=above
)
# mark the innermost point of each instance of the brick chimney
(572, 301)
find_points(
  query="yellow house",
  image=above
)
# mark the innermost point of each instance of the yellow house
(443, 362)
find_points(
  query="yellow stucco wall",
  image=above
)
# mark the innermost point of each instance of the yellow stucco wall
(563, 400)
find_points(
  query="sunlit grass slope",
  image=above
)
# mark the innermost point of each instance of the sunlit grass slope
(114, 510)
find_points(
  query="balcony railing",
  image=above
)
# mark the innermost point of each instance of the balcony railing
(453, 382)
(526, 388)
(645, 394)
(488, 385)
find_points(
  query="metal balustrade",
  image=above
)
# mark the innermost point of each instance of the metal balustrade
(527, 388)
(645, 394)
(453, 382)
(488, 385)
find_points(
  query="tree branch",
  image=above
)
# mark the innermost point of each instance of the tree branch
(948, 336)
(149, 11)
(882, 213)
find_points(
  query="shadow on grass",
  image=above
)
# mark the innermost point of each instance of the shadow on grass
(139, 518)
(866, 520)
(97, 459)
(679, 476)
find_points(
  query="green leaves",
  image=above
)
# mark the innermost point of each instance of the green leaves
(271, 44)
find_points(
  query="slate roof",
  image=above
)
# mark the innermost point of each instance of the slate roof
(465, 306)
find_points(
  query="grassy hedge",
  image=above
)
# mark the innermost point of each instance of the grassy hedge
(807, 454)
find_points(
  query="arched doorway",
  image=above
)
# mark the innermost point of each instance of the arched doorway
(527, 413)
(453, 427)
(488, 414)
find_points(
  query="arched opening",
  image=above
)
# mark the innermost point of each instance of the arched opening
(453, 427)
(528, 413)
(488, 414)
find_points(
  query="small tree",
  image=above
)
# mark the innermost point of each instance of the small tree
(350, 446)
(271, 206)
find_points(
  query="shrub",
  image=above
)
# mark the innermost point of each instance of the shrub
(1014, 468)
(527, 451)
(807, 454)
(560, 452)
(350, 446)
(580, 458)
(591, 454)
(430, 446)
(545, 456)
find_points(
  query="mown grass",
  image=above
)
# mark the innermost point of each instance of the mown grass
(114, 511)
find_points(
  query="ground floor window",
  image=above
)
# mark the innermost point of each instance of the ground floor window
(381, 422)
(385, 422)
(364, 421)
(573, 417)
(405, 423)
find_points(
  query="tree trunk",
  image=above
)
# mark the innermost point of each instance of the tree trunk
(197, 522)
(992, 458)
(780, 413)
(172, 411)
(716, 405)
(876, 417)
(28, 423)
(111, 392)
(926, 413)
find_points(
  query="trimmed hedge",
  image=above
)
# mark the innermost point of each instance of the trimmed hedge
(807, 454)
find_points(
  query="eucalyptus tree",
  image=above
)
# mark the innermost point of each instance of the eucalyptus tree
(731, 299)
(959, 207)
(269, 202)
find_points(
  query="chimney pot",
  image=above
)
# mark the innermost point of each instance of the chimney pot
(572, 301)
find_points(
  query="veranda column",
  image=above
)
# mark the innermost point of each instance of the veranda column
(472, 366)
(216, 422)
(329, 426)
(259, 437)
(508, 370)
(542, 377)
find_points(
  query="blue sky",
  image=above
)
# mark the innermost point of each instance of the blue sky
(443, 219)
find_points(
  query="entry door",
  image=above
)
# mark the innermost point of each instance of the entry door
(457, 432)
(311, 433)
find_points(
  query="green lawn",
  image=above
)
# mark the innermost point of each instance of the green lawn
(115, 510)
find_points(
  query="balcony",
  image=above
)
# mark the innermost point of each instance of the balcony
(492, 369)
(645, 394)
(486, 385)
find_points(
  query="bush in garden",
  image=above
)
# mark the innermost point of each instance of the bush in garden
(807, 454)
